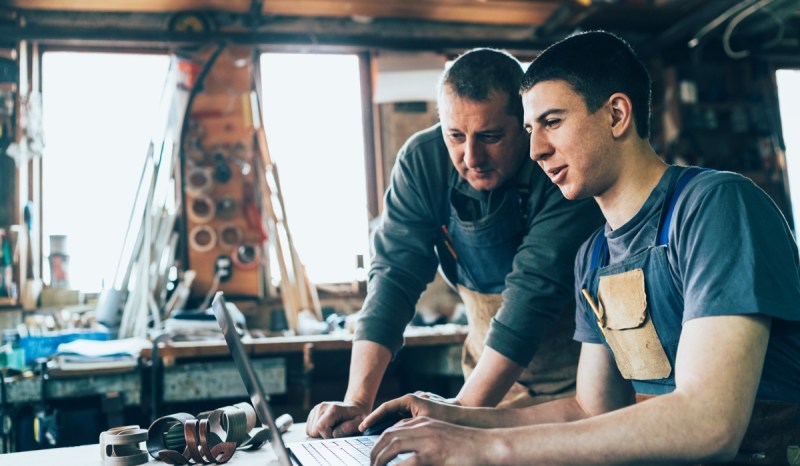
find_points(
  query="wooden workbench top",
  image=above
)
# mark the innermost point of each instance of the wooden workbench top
(414, 336)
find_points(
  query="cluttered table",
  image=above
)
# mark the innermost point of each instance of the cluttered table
(90, 454)
(173, 375)
(175, 358)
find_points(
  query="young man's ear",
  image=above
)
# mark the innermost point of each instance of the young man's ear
(621, 114)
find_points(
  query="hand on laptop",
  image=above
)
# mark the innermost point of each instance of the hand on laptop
(432, 443)
(334, 419)
(413, 405)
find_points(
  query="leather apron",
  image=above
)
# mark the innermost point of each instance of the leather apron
(645, 343)
(485, 251)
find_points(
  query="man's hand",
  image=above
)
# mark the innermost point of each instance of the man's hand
(332, 419)
(417, 404)
(432, 442)
(439, 398)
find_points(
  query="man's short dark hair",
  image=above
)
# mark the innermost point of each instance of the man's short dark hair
(596, 64)
(474, 75)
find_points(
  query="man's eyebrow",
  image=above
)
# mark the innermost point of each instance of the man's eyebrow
(497, 130)
(543, 116)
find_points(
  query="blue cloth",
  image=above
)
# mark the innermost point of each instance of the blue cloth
(486, 246)
(729, 252)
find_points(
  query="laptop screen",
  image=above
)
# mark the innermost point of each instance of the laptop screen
(257, 395)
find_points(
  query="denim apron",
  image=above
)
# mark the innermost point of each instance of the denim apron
(484, 251)
(645, 344)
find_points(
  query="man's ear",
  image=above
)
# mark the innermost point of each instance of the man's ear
(621, 114)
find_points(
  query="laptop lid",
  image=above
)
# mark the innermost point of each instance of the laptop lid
(258, 397)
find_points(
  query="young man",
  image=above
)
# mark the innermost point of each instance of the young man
(689, 298)
(467, 189)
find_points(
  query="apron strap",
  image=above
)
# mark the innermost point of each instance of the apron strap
(600, 255)
(599, 249)
(666, 215)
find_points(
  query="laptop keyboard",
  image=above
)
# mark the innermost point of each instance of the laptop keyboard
(346, 452)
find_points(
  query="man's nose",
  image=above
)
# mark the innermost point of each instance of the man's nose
(540, 147)
(474, 156)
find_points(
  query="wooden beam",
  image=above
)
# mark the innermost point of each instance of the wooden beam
(523, 12)
(138, 6)
(520, 12)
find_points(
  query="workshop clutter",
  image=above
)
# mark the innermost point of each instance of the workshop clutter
(209, 205)
(180, 438)
(235, 215)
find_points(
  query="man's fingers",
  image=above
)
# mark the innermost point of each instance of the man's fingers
(396, 441)
(311, 422)
(327, 418)
(398, 404)
(346, 428)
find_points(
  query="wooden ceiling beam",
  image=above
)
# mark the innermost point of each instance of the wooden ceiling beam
(513, 12)
(521, 12)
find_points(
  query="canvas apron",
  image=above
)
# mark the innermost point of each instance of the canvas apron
(645, 344)
(485, 252)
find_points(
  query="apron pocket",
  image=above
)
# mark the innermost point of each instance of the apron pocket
(629, 329)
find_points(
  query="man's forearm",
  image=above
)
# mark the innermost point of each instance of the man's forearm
(556, 411)
(717, 369)
(490, 380)
(368, 363)
(666, 430)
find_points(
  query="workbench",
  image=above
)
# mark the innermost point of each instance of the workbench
(290, 365)
(297, 371)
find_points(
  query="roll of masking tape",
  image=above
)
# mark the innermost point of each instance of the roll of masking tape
(202, 238)
(201, 209)
(230, 236)
(199, 181)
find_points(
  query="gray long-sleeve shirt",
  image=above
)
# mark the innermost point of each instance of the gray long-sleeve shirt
(539, 286)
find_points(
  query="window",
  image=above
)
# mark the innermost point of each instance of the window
(98, 115)
(98, 112)
(313, 120)
(789, 95)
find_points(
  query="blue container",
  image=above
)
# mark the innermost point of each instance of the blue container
(47, 345)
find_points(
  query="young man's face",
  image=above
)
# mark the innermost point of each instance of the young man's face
(486, 144)
(568, 142)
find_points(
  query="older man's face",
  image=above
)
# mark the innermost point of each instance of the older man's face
(486, 144)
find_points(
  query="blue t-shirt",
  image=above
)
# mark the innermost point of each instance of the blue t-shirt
(730, 252)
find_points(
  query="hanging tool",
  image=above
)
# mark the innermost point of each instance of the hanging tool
(45, 421)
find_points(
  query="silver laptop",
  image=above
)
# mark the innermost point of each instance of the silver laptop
(343, 451)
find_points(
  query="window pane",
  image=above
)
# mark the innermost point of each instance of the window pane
(789, 96)
(97, 111)
(312, 116)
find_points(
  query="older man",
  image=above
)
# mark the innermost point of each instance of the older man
(466, 198)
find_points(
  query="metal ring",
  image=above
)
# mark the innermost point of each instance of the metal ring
(226, 208)
(245, 257)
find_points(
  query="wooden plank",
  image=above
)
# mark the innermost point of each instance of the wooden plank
(154, 6)
(414, 336)
(223, 111)
(524, 12)
(521, 12)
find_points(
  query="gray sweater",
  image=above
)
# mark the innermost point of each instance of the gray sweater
(538, 288)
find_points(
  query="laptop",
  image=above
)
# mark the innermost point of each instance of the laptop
(342, 451)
